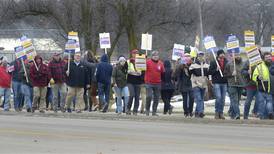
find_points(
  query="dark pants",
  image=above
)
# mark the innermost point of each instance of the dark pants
(103, 92)
(152, 91)
(166, 97)
(235, 97)
(188, 101)
(49, 97)
(134, 91)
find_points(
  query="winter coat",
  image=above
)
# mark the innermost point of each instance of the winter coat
(183, 78)
(5, 77)
(16, 76)
(119, 75)
(104, 71)
(263, 71)
(78, 75)
(134, 77)
(167, 77)
(239, 82)
(216, 76)
(91, 66)
(57, 70)
(248, 82)
(197, 79)
(40, 77)
(154, 71)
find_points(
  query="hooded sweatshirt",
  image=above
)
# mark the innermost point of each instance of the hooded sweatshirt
(167, 77)
(40, 77)
(104, 71)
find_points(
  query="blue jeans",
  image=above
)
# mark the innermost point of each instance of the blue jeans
(26, 91)
(235, 97)
(121, 92)
(250, 94)
(220, 93)
(17, 95)
(6, 92)
(103, 93)
(152, 91)
(199, 94)
(134, 90)
(265, 104)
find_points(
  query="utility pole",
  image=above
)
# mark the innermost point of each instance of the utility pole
(200, 24)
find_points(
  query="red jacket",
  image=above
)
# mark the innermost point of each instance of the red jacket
(41, 77)
(153, 72)
(5, 78)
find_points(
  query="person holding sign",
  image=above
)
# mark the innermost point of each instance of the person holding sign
(119, 76)
(5, 83)
(261, 76)
(251, 89)
(184, 85)
(219, 83)
(167, 87)
(235, 85)
(199, 77)
(26, 86)
(58, 81)
(103, 77)
(17, 83)
(155, 68)
(39, 79)
(134, 81)
(77, 79)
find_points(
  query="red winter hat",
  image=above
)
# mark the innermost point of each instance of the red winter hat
(134, 51)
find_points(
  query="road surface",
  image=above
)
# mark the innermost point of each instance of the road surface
(30, 134)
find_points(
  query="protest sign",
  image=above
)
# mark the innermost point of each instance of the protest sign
(249, 37)
(253, 55)
(140, 62)
(146, 42)
(232, 44)
(74, 36)
(255, 59)
(210, 45)
(29, 49)
(105, 40)
(178, 51)
(72, 46)
(20, 54)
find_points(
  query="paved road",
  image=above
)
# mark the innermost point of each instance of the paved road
(23, 134)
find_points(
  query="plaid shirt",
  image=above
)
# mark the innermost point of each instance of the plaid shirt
(41, 77)
(57, 71)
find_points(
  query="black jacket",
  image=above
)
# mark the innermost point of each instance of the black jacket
(183, 78)
(246, 76)
(16, 75)
(78, 76)
(167, 77)
(216, 76)
(91, 66)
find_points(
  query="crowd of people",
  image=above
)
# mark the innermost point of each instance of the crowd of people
(73, 85)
